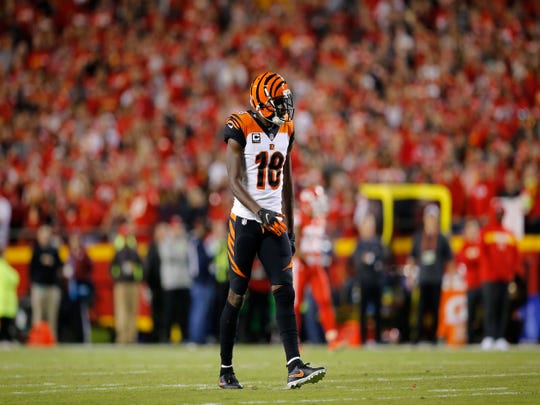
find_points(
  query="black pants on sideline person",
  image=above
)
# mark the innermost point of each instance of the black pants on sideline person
(474, 304)
(176, 307)
(429, 301)
(496, 307)
(370, 294)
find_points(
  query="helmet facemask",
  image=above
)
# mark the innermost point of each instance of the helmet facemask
(281, 108)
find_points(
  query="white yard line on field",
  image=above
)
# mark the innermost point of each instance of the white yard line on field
(469, 389)
(82, 373)
(108, 387)
(387, 398)
(456, 395)
(435, 377)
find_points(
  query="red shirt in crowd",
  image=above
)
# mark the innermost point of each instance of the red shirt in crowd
(478, 200)
(499, 257)
(469, 256)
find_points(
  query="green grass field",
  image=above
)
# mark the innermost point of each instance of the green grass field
(147, 374)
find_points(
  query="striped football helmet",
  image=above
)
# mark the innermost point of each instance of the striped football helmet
(271, 98)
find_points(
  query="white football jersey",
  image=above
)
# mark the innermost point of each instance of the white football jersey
(264, 158)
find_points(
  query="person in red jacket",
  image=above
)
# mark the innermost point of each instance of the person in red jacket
(468, 259)
(499, 262)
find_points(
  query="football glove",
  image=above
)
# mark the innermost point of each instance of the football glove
(272, 221)
(292, 241)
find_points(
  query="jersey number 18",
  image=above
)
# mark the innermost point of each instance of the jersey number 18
(270, 168)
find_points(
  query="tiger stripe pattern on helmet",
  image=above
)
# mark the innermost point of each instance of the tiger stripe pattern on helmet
(266, 88)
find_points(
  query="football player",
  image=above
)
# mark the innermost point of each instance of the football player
(261, 223)
(309, 268)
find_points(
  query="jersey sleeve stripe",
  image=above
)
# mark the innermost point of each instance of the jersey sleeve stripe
(235, 120)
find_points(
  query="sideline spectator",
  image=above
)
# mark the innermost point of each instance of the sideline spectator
(500, 262)
(127, 273)
(217, 246)
(468, 260)
(203, 287)
(175, 279)
(78, 272)
(432, 254)
(368, 262)
(45, 278)
(152, 277)
(9, 301)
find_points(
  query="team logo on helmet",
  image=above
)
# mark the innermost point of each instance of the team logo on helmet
(271, 98)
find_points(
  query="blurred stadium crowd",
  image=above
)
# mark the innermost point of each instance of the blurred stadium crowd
(112, 110)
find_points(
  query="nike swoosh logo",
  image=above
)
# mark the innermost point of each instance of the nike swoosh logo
(267, 218)
(298, 375)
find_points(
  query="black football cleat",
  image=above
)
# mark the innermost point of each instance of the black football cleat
(303, 374)
(229, 381)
